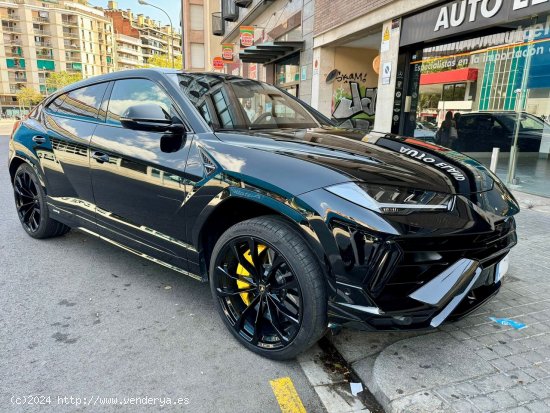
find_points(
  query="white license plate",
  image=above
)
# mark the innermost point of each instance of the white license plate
(502, 268)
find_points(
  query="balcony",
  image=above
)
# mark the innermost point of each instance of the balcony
(9, 17)
(71, 35)
(69, 22)
(42, 32)
(18, 52)
(44, 53)
(230, 11)
(13, 42)
(39, 19)
(8, 101)
(18, 78)
(72, 46)
(44, 43)
(218, 24)
(243, 3)
(11, 29)
(73, 57)
(14, 89)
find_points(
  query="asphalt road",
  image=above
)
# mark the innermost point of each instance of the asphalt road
(80, 318)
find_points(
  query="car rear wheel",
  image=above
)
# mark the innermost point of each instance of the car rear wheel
(269, 288)
(32, 210)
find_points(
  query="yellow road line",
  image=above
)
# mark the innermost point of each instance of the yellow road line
(287, 396)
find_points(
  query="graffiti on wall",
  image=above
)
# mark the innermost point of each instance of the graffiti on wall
(359, 103)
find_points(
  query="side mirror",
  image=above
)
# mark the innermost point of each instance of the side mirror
(149, 117)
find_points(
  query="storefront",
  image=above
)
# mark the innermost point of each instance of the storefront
(476, 75)
(346, 73)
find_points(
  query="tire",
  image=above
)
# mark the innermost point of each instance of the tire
(32, 208)
(281, 312)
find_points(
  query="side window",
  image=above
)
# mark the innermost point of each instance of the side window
(223, 110)
(81, 103)
(130, 92)
(57, 103)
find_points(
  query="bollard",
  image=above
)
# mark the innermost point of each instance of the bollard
(494, 159)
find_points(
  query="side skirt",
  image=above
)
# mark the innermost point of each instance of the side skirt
(148, 257)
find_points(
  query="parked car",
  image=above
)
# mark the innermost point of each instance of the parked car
(425, 132)
(483, 131)
(296, 224)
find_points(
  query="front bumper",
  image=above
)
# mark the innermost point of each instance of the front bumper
(453, 294)
(419, 283)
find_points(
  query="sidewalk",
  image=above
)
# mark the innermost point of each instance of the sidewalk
(474, 365)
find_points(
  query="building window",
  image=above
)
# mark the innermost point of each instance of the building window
(454, 92)
(196, 14)
(197, 55)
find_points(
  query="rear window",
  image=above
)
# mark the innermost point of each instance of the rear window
(83, 103)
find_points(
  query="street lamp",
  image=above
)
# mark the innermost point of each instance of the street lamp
(144, 3)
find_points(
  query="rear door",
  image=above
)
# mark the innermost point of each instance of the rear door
(139, 189)
(63, 151)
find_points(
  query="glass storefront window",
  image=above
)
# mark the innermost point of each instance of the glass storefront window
(489, 91)
(287, 71)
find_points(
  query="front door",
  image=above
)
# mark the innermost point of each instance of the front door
(63, 151)
(139, 188)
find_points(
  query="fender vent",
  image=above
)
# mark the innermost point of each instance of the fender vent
(208, 163)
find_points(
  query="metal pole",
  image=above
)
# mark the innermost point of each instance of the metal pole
(520, 106)
(494, 160)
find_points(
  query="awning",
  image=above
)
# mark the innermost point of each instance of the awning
(271, 52)
(449, 76)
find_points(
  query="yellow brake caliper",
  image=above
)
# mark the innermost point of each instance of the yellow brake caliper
(241, 284)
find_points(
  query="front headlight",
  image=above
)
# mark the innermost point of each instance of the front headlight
(392, 200)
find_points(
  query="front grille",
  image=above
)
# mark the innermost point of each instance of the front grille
(425, 258)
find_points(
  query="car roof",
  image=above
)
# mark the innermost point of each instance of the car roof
(133, 73)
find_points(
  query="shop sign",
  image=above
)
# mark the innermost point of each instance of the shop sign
(386, 39)
(227, 52)
(247, 36)
(253, 71)
(218, 63)
(466, 15)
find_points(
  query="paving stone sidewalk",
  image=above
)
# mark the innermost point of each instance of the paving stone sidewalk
(474, 365)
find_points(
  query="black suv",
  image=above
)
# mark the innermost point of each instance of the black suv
(483, 131)
(296, 224)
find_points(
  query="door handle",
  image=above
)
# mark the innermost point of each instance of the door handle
(100, 157)
(39, 139)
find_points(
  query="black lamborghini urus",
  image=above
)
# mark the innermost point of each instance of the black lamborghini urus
(296, 224)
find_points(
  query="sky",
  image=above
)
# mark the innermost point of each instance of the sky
(172, 7)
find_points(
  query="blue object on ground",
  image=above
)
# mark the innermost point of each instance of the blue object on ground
(508, 322)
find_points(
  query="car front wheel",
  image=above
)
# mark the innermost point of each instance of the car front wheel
(268, 287)
(32, 209)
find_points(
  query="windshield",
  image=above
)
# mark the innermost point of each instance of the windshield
(527, 121)
(232, 103)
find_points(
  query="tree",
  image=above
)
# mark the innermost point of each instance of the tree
(58, 80)
(28, 97)
(163, 60)
(428, 101)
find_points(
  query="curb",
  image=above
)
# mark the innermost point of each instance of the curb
(331, 377)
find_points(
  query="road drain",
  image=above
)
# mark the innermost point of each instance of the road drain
(334, 364)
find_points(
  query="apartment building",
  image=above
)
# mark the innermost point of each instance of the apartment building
(138, 38)
(38, 38)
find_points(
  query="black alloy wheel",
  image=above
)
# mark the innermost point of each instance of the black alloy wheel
(262, 292)
(259, 293)
(32, 209)
(27, 200)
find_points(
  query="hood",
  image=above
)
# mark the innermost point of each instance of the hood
(376, 158)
